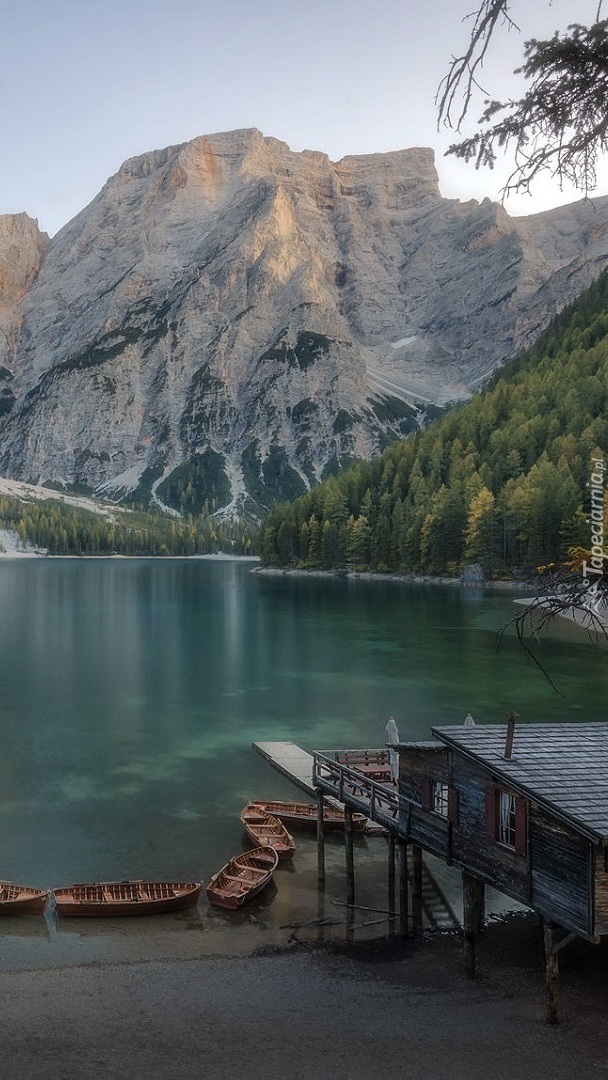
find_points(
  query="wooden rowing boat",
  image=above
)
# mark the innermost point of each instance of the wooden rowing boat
(267, 831)
(114, 898)
(21, 900)
(304, 814)
(242, 878)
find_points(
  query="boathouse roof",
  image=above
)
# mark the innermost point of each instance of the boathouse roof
(564, 766)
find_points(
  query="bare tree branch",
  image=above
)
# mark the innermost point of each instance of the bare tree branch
(566, 596)
(561, 122)
(463, 69)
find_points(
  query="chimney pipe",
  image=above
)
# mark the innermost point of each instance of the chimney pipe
(511, 718)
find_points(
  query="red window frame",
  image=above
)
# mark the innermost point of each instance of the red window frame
(520, 826)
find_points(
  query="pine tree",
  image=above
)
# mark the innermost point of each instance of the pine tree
(482, 532)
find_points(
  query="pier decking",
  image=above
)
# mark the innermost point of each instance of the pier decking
(298, 766)
(291, 760)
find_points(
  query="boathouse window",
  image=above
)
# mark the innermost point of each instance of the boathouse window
(438, 796)
(506, 819)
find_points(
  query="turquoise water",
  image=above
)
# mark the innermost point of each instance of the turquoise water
(131, 690)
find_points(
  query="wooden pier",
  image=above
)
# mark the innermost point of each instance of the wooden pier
(291, 760)
(298, 766)
(342, 783)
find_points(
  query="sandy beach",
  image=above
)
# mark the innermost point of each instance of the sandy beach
(304, 1011)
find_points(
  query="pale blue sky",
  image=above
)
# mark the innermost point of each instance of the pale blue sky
(85, 84)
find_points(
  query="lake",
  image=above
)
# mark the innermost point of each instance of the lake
(131, 691)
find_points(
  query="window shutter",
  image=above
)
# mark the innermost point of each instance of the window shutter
(453, 805)
(425, 792)
(521, 826)
(491, 796)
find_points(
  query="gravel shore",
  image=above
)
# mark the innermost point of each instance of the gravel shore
(389, 1007)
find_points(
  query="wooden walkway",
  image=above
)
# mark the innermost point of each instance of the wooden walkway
(297, 765)
(291, 760)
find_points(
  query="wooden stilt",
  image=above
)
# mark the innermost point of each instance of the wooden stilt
(350, 924)
(416, 887)
(321, 915)
(403, 889)
(350, 857)
(391, 879)
(470, 894)
(551, 972)
(480, 905)
(391, 871)
(320, 838)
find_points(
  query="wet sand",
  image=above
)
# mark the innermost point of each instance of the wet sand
(383, 1008)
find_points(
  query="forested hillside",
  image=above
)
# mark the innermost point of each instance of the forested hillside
(67, 530)
(500, 480)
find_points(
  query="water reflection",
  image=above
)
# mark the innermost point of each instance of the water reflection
(130, 693)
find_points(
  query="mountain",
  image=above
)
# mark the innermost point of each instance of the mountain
(229, 320)
(512, 479)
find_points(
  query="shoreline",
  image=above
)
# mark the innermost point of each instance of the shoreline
(405, 579)
(10, 549)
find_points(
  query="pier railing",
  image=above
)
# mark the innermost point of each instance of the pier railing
(346, 783)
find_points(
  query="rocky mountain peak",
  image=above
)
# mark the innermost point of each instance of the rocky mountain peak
(229, 319)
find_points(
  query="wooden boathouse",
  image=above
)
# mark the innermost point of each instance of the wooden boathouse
(521, 808)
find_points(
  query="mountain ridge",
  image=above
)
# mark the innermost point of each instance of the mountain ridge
(228, 320)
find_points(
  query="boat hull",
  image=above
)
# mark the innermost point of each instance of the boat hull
(121, 898)
(302, 815)
(242, 878)
(265, 830)
(21, 900)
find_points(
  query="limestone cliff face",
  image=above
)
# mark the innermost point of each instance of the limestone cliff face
(22, 247)
(228, 319)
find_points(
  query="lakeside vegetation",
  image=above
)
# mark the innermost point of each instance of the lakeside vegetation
(62, 529)
(500, 480)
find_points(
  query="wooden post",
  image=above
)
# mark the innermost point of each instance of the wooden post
(416, 887)
(551, 972)
(321, 915)
(391, 879)
(473, 892)
(349, 929)
(403, 889)
(350, 857)
(320, 838)
(480, 906)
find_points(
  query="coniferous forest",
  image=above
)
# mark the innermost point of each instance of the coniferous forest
(61, 529)
(500, 480)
